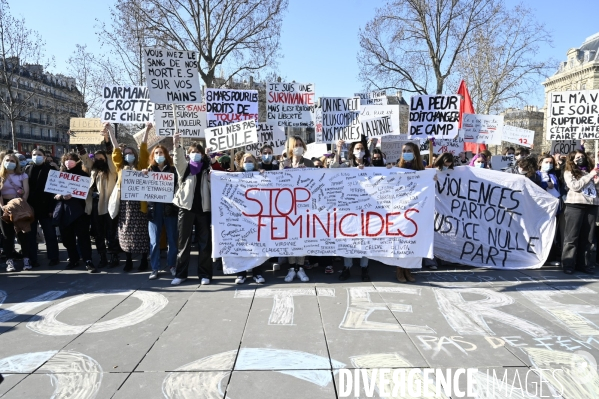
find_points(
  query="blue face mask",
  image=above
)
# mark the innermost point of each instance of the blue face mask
(546, 167)
(159, 158)
(129, 158)
(10, 165)
(445, 168)
(408, 156)
(196, 157)
(267, 158)
(248, 166)
(38, 159)
(23, 164)
(479, 165)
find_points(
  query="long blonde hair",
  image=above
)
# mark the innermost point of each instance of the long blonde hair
(240, 167)
(3, 172)
(290, 145)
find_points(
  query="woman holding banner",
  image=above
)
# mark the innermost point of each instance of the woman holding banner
(580, 213)
(479, 161)
(162, 214)
(267, 161)
(132, 218)
(72, 215)
(550, 183)
(294, 152)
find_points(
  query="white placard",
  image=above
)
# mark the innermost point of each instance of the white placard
(573, 115)
(225, 106)
(434, 116)
(257, 215)
(151, 187)
(191, 119)
(516, 135)
(482, 129)
(372, 98)
(290, 104)
(369, 112)
(340, 119)
(65, 183)
(377, 128)
(268, 135)
(564, 146)
(126, 104)
(492, 219)
(502, 162)
(172, 76)
(235, 135)
(318, 124)
(316, 150)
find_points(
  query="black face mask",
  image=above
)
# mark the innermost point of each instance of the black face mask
(378, 162)
(100, 165)
(581, 162)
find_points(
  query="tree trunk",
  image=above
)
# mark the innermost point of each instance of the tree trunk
(14, 135)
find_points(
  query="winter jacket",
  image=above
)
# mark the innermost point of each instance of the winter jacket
(576, 187)
(19, 213)
(105, 182)
(142, 163)
(187, 183)
(43, 203)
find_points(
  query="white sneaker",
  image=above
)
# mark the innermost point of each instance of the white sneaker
(302, 275)
(26, 265)
(205, 281)
(275, 267)
(10, 266)
(290, 275)
(174, 271)
(240, 280)
(177, 281)
(259, 279)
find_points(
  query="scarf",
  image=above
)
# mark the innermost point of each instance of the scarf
(195, 167)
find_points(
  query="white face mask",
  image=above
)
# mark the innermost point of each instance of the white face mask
(129, 158)
(38, 159)
(359, 154)
(298, 151)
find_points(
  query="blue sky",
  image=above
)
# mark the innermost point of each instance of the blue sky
(319, 38)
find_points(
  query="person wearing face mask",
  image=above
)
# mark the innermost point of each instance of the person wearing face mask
(519, 154)
(479, 161)
(267, 161)
(43, 205)
(550, 183)
(377, 158)
(527, 167)
(444, 162)
(132, 218)
(14, 183)
(580, 213)
(162, 214)
(72, 215)
(294, 151)
(193, 199)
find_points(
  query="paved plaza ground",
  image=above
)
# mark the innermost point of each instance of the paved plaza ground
(72, 334)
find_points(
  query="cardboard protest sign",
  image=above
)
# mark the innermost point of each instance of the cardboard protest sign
(268, 135)
(369, 112)
(316, 150)
(392, 150)
(86, 131)
(225, 106)
(564, 146)
(231, 136)
(502, 162)
(372, 98)
(340, 119)
(482, 129)
(64, 183)
(434, 116)
(191, 119)
(126, 104)
(492, 219)
(153, 138)
(290, 104)
(386, 213)
(516, 135)
(172, 76)
(573, 115)
(152, 187)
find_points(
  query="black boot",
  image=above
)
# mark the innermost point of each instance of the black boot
(114, 260)
(72, 264)
(90, 267)
(128, 263)
(143, 266)
(365, 275)
(103, 260)
(344, 274)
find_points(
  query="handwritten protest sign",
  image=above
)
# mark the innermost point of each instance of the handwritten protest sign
(372, 98)
(340, 119)
(172, 76)
(153, 138)
(231, 136)
(318, 124)
(64, 183)
(316, 150)
(369, 112)
(502, 162)
(564, 146)
(573, 115)
(434, 116)
(86, 131)
(290, 104)
(392, 150)
(451, 146)
(152, 187)
(126, 104)
(482, 129)
(273, 136)
(492, 219)
(516, 135)
(191, 119)
(378, 127)
(382, 213)
(224, 106)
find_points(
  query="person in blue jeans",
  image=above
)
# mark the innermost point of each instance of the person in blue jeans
(162, 214)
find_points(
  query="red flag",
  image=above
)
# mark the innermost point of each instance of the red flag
(466, 107)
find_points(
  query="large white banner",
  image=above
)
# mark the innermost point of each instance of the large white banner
(191, 119)
(573, 115)
(492, 219)
(290, 104)
(226, 106)
(172, 76)
(374, 212)
(482, 129)
(273, 136)
(434, 116)
(126, 104)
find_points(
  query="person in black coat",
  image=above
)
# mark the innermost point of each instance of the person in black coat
(43, 205)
